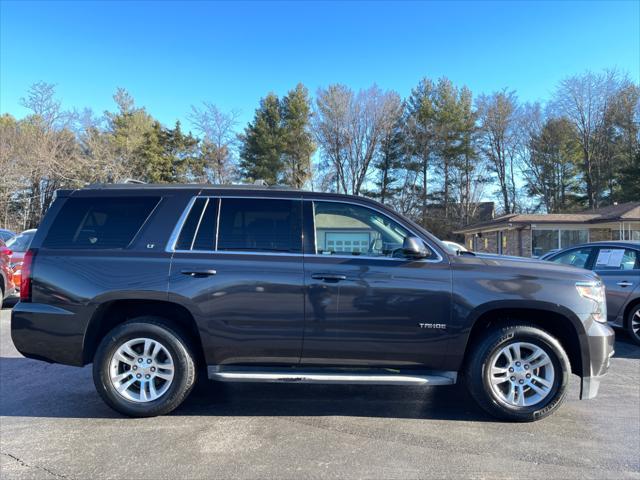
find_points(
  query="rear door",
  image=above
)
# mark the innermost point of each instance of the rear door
(619, 268)
(237, 265)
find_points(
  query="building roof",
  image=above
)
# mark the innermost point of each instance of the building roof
(629, 211)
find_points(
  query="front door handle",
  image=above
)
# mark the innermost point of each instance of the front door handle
(328, 277)
(624, 283)
(198, 273)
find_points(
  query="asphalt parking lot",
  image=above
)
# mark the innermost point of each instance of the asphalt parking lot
(53, 425)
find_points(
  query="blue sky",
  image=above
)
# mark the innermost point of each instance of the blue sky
(172, 55)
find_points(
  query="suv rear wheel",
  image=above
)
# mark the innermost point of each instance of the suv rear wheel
(518, 373)
(144, 367)
(633, 324)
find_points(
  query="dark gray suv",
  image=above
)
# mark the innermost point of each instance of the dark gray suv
(158, 284)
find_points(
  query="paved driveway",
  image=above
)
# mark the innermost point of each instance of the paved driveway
(53, 425)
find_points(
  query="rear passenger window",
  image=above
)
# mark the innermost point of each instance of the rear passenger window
(260, 225)
(199, 229)
(616, 259)
(99, 223)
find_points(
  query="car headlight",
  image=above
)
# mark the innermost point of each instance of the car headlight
(595, 292)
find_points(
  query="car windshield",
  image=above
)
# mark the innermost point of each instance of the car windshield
(21, 242)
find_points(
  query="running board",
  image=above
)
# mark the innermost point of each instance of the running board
(344, 377)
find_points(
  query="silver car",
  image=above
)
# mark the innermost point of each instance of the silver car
(618, 264)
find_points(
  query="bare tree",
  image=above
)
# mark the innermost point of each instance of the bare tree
(584, 100)
(498, 115)
(350, 127)
(331, 129)
(219, 140)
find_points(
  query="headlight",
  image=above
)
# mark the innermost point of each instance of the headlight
(594, 291)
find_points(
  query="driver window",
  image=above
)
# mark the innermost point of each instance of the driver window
(346, 229)
(576, 258)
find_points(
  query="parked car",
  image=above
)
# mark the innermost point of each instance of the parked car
(6, 235)
(7, 286)
(19, 246)
(618, 264)
(158, 284)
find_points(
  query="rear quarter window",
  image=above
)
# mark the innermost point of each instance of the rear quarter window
(99, 223)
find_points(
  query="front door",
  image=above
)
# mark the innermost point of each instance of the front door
(366, 304)
(619, 268)
(243, 281)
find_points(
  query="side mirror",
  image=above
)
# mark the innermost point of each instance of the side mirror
(414, 247)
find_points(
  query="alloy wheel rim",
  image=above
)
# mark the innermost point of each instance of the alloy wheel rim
(522, 374)
(635, 323)
(141, 370)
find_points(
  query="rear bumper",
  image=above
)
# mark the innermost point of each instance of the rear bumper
(45, 332)
(600, 341)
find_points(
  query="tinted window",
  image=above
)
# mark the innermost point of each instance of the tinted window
(260, 225)
(576, 258)
(346, 229)
(199, 229)
(99, 223)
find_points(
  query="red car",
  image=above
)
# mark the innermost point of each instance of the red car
(18, 246)
(7, 286)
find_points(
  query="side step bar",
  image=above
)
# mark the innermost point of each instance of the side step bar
(349, 377)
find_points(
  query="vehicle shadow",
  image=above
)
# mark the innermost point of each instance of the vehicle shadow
(625, 347)
(29, 388)
(58, 391)
(9, 302)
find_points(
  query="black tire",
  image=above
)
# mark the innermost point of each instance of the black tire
(632, 324)
(176, 343)
(477, 372)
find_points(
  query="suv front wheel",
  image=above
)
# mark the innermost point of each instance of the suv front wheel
(144, 368)
(518, 373)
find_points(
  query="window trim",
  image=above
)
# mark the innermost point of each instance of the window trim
(173, 239)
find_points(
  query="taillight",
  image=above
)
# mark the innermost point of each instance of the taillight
(6, 251)
(25, 279)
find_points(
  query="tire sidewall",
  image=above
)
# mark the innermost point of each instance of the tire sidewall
(634, 337)
(180, 385)
(481, 373)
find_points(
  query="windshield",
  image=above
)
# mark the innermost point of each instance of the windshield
(21, 243)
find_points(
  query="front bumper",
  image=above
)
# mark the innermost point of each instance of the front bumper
(600, 340)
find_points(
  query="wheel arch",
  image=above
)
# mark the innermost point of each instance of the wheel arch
(115, 312)
(556, 320)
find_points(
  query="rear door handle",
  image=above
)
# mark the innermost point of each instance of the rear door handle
(624, 283)
(328, 277)
(198, 273)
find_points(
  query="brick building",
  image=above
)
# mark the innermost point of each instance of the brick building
(528, 235)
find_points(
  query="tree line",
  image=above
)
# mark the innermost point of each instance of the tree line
(433, 156)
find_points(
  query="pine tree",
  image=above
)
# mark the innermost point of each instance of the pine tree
(298, 145)
(262, 143)
(392, 149)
